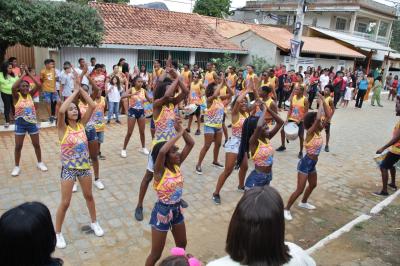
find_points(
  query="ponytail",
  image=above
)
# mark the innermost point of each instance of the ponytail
(248, 128)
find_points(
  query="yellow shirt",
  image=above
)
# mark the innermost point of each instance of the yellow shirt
(48, 78)
(395, 148)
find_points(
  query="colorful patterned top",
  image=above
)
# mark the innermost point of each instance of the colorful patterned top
(195, 93)
(268, 104)
(298, 109)
(314, 146)
(137, 101)
(25, 109)
(209, 78)
(264, 154)
(169, 189)
(74, 148)
(214, 114)
(237, 127)
(148, 106)
(164, 124)
(395, 148)
(98, 115)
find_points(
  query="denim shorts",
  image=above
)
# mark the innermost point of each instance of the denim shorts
(50, 97)
(164, 216)
(152, 125)
(100, 136)
(135, 113)
(91, 133)
(74, 174)
(306, 165)
(390, 160)
(232, 145)
(258, 179)
(211, 130)
(22, 127)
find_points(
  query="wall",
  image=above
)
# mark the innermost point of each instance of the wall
(323, 20)
(22, 53)
(256, 46)
(315, 62)
(107, 56)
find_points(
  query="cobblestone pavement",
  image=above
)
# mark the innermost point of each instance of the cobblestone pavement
(347, 175)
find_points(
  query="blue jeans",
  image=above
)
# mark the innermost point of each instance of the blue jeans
(113, 108)
(258, 179)
(306, 165)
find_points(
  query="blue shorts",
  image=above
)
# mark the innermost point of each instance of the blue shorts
(50, 97)
(135, 113)
(306, 165)
(152, 125)
(258, 179)
(100, 136)
(211, 130)
(164, 216)
(22, 127)
(91, 133)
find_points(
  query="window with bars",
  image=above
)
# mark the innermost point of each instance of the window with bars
(341, 23)
(383, 28)
(147, 57)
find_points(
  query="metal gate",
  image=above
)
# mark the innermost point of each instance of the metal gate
(146, 57)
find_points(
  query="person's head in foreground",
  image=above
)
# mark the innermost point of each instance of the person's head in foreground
(27, 236)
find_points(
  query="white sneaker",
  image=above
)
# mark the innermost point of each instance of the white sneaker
(97, 229)
(307, 206)
(287, 215)
(42, 167)
(16, 171)
(75, 187)
(145, 151)
(60, 241)
(98, 184)
(123, 153)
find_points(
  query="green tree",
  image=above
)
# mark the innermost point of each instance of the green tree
(260, 64)
(395, 42)
(48, 24)
(227, 60)
(213, 8)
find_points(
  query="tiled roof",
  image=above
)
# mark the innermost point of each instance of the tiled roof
(129, 25)
(281, 37)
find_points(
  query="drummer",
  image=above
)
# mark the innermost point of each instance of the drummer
(196, 97)
(391, 158)
(297, 110)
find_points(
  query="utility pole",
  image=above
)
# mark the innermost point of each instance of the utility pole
(297, 33)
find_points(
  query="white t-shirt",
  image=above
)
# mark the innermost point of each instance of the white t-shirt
(58, 75)
(299, 258)
(85, 80)
(324, 81)
(114, 95)
(67, 80)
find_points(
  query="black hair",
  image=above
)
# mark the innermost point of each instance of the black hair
(379, 78)
(254, 69)
(133, 81)
(97, 66)
(188, 65)
(175, 261)
(48, 61)
(266, 89)
(92, 58)
(174, 64)
(80, 60)
(330, 87)
(156, 150)
(210, 89)
(27, 236)
(125, 68)
(114, 66)
(248, 128)
(233, 68)
(120, 61)
(256, 233)
(79, 113)
(161, 88)
(4, 70)
(309, 119)
(145, 68)
(11, 59)
(102, 65)
(158, 61)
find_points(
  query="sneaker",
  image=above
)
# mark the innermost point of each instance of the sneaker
(281, 148)
(198, 132)
(145, 151)
(38, 124)
(380, 105)
(380, 194)
(102, 157)
(218, 165)
(184, 204)
(16, 171)
(198, 170)
(287, 215)
(6, 125)
(51, 119)
(300, 155)
(123, 153)
(60, 241)
(327, 148)
(230, 125)
(42, 167)
(217, 199)
(392, 186)
(98, 184)
(98, 231)
(240, 189)
(139, 214)
(307, 206)
(119, 122)
(75, 188)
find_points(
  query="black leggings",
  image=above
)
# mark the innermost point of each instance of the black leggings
(360, 98)
(8, 105)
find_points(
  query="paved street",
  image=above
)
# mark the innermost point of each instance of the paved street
(346, 177)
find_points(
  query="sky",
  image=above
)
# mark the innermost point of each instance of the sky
(184, 5)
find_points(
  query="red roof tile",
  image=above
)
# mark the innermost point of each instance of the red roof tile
(129, 25)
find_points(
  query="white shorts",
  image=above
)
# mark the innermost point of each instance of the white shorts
(36, 99)
(150, 163)
(232, 145)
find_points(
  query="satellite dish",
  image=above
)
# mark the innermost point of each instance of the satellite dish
(256, 21)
